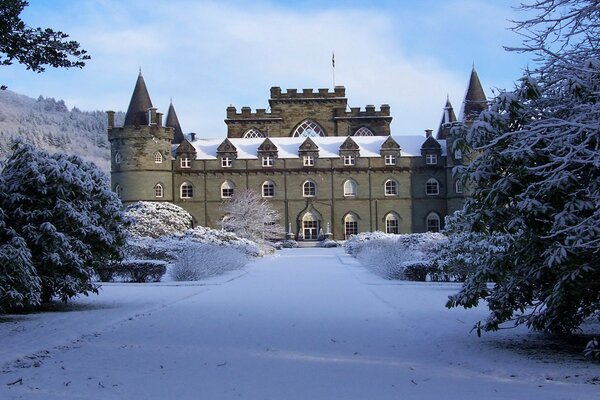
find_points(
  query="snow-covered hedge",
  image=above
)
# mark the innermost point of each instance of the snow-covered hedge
(139, 271)
(201, 260)
(405, 256)
(156, 219)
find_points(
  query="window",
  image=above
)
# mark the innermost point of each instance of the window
(226, 162)
(308, 128)
(363, 131)
(267, 161)
(309, 161)
(457, 154)
(117, 158)
(186, 191)
(186, 162)
(350, 225)
(158, 190)
(227, 190)
(390, 159)
(431, 159)
(254, 133)
(391, 187)
(119, 190)
(458, 186)
(391, 224)
(158, 158)
(350, 188)
(268, 189)
(349, 160)
(432, 187)
(309, 189)
(433, 222)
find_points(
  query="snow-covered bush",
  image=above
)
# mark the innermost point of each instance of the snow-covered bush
(328, 243)
(155, 219)
(592, 349)
(64, 211)
(221, 238)
(201, 260)
(289, 244)
(139, 271)
(405, 256)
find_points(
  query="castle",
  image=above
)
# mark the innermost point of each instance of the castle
(330, 171)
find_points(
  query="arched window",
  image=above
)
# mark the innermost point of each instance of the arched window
(350, 188)
(253, 133)
(268, 189)
(309, 189)
(117, 158)
(432, 187)
(350, 225)
(308, 128)
(391, 187)
(458, 154)
(158, 158)
(363, 131)
(227, 188)
(186, 190)
(158, 190)
(392, 223)
(458, 186)
(433, 222)
(119, 190)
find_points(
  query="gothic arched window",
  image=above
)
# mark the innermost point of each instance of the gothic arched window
(391, 187)
(158, 158)
(158, 190)
(363, 131)
(309, 189)
(350, 225)
(308, 128)
(268, 189)
(253, 133)
(432, 187)
(433, 222)
(186, 190)
(350, 188)
(392, 223)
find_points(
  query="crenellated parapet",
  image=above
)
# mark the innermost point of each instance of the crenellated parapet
(246, 114)
(339, 92)
(368, 112)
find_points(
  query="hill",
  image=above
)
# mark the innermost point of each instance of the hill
(48, 124)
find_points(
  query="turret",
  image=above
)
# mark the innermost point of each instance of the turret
(448, 118)
(173, 122)
(475, 101)
(140, 103)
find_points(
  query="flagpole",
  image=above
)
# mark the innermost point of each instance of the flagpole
(333, 67)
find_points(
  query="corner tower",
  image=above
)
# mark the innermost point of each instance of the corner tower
(141, 161)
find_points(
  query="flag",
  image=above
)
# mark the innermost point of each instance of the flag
(333, 60)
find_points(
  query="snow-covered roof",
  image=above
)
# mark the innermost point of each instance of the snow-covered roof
(369, 146)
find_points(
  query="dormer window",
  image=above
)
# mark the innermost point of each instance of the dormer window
(226, 162)
(349, 160)
(308, 161)
(390, 159)
(267, 161)
(431, 159)
(186, 162)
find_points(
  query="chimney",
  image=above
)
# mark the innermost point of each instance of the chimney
(111, 119)
(193, 136)
(159, 118)
(152, 116)
(428, 132)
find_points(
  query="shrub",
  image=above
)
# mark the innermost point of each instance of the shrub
(155, 219)
(139, 271)
(200, 260)
(289, 244)
(592, 349)
(327, 243)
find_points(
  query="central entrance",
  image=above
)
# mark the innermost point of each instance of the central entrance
(310, 226)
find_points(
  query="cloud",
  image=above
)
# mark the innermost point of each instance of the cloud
(207, 55)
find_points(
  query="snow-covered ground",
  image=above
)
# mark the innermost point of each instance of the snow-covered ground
(304, 324)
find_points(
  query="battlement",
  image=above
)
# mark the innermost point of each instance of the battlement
(368, 112)
(307, 94)
(246, 113)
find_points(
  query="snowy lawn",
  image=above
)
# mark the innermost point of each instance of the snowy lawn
(304, 324)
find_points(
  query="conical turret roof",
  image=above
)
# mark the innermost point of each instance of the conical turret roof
(137, 112)
(448, 117)
(173, 122)
(475, 100)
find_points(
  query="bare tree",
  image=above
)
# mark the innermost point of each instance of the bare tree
(250, 216)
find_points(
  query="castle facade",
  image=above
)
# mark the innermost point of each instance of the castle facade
(330, 170)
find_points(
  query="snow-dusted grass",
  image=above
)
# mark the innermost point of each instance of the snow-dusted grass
(390, 256)
(305, 324)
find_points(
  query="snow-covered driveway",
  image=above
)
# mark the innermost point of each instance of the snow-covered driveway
(306, 324)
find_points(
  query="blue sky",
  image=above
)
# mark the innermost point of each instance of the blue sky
(207, 55)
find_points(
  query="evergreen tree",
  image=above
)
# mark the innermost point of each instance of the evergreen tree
(34, 47)
(63, 209)
(536, 179)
